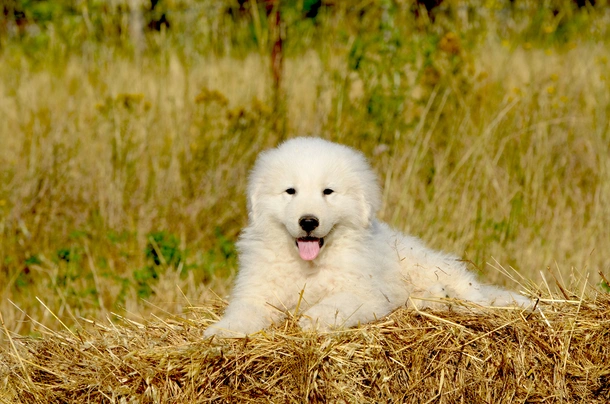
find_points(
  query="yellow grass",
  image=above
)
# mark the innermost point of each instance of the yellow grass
(67, 158)
(472, 355)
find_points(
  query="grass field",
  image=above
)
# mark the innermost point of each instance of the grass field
(123, 164)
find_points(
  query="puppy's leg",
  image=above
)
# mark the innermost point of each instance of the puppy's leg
(243, 317)
(495, 296)
(342, 310)
(486, 295)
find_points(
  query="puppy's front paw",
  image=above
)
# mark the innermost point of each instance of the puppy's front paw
(222, 330)
(239, 323)
(320, 318)
(309, 324)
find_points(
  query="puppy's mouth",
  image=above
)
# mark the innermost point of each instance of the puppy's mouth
(309, 247)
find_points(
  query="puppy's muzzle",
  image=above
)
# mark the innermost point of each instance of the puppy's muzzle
(309, 223)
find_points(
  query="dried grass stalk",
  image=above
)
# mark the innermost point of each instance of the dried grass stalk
(488, 355)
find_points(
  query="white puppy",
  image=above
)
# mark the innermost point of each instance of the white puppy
(313, 242)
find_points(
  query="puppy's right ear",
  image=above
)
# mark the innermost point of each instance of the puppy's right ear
(254, 189)
(256, 186)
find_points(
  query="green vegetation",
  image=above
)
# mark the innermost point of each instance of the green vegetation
(124, 154)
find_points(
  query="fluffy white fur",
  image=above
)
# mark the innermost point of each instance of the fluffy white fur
(363, 270)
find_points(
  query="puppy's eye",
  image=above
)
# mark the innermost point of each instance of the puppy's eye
(291, 191)
(328, 191)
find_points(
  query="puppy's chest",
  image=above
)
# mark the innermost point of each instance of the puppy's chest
(327, 280)
(320, 282)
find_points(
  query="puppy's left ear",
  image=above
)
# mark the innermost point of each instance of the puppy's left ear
(367, 189)
(370, 201)
(367, 212)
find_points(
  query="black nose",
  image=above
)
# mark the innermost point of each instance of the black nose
(308, 223)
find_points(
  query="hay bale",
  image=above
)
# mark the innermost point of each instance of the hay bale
(561, 354)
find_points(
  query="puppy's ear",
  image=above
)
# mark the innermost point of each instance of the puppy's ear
(254, 189)
(256, 182)
(370, 198)
(367, 211)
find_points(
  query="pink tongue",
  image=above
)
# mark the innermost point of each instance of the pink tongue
(308, 249)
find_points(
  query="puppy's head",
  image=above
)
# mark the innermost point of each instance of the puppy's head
(309, 187)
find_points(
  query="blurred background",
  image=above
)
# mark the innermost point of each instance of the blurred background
(127, 129)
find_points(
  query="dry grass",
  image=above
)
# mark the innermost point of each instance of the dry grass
(558, 354)
(507, 170)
